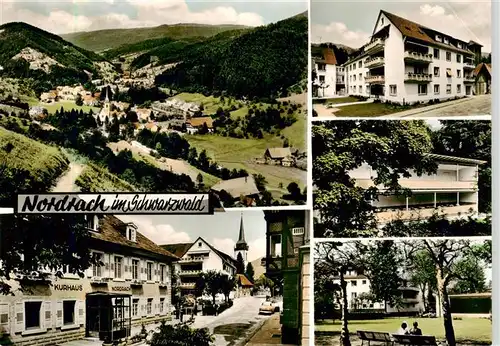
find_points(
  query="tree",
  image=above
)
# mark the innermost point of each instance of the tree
(260, 181)
(423, 275)
(470, 139)
(199, 179)
(249, 273)
(180, 335)
(391, 148)
(79, 100)
(447, 256)
(213, 283)
(227, 286)
(240, 264)
(472, 277)
(25, 250)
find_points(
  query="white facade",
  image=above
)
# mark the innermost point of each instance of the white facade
(402, 69)
(327, 79)
(452, 190)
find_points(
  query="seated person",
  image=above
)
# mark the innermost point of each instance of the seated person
(415, 330)
(403, 330)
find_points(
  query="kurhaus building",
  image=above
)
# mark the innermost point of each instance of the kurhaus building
(131, 287)
(406, 62)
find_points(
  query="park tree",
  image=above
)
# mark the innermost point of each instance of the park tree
(26, 251)
(213, 283)
(199, 180)
(392, 148)
(240, 264)
(228, 284)
(423, 275)
(448, 256)
(250, 272)
(470, 139)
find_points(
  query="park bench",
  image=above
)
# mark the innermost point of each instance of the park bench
(415, 340)
(379, 337)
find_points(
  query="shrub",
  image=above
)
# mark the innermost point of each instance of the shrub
(180, 334)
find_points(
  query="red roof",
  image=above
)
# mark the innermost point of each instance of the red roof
(480, 67)
(243, 280)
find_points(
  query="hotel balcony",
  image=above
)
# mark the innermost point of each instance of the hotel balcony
(380, 79)
(469, 65)
(416, 57)
(136, 282)
(191, 272)
(374, 46)
(427, 185)
(424, 212)
(469, 79)
(196, 259)
(418, 77)
(189, 285)
(374, 62)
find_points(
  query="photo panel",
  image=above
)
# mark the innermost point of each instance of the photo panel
(156, 97)
(401, 178)
(395, 59)
(428, 291)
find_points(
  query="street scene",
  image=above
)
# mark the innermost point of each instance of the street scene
(418, 292)
(405, 59)
(146, 278)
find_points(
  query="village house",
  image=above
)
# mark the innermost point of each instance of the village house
(143, 113)
(49, 97)
(279, 156)
(243, 190)
(37, 112)
(330, 77)
(482, 76)
(194, 125)
(405, 62)
(151, 126)
(91, 101)
(132, 287)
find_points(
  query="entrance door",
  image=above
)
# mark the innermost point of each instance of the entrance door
(468, 90)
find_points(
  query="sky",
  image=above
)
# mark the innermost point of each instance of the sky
(352, 23)
(66, 16)
(220, 230)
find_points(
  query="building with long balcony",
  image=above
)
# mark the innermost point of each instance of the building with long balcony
(406, 63)
(287, 261)
(131, 286)
(452, 190)
(330, 76)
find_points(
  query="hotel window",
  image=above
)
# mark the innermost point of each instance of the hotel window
(321, 79)
(32, 315)
(354, 88)
(360, 88)
(150, 271)
(436, 71)
(96, 268)
(322, 67)
(135, 269)
(436, 53)
(162, 273)
(458, 74)
(448, 88)
(131, 234)
(162, 302)
(360, 76)
(298, 231)
(448, 56)
(354, 66)
(354, 77)
(118, 267)
(69, 312)
(364, 282)
(149, 306)
(438, 38)
(135, 307)
(422, 89)
(448, 73)
(446, 40)
(436, 89)
(459, 88)
(382, 21)
(360, 64)
(354, 283)
(459, 58)
(91, 222)
(393, 89)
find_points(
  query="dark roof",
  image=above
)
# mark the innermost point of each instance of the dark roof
(178, 249)
(479, 67)
(439, 157)
(111, 230)
(420, 32)
(325, 55)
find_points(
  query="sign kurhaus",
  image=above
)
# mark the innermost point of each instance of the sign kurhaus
(64, 287)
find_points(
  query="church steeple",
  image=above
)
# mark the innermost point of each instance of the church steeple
(241, 246)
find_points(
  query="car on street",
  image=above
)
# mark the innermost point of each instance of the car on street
(267, 308)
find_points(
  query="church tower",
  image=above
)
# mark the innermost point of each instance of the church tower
(241, 245)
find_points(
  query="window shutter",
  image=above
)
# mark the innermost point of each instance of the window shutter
(59, 314)
(4, 319)
(105, 260)
(19, 309)
(80, 312)
(47, 314)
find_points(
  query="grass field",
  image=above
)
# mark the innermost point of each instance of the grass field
(467, 330)
(98, 179)
(45, 163)
(240, 154)
(336, 100)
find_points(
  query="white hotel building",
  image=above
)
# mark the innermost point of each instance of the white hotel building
(451, 191)
(330, 77)
(405, 62)
(132, 287)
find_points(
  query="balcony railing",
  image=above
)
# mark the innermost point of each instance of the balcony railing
(191, 272)
(426, 185)
(422, 213)
(375, 79)
(418, 57)
(469, 79)
(375, 45)
(418, 77)
(374, 62)
(187, 284)
(192, 259)
(469, 65)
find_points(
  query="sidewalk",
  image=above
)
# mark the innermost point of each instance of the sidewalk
(426, 109)
(269, 334)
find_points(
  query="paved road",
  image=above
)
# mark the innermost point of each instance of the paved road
(476, 105)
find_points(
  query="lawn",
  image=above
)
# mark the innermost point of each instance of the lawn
(337, 100)
(367, 110)
(297, 133)
(99, 179)
(240, 153)
(467, 330)
(67, 105)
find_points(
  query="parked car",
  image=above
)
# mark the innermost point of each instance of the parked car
(278, 305)
(267, 308)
